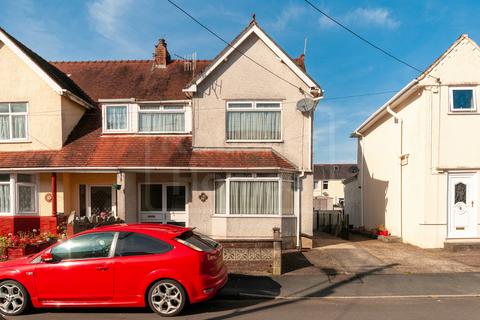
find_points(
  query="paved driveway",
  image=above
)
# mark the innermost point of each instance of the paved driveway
(333, 255)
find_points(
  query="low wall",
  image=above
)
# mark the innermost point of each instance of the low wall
(252, 255)
(15, 224)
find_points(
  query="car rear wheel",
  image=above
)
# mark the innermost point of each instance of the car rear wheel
(13, 298)
(167, 298)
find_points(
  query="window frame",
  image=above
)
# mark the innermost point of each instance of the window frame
(325, 182)
(14, 195)
(33, 184)
(279, 179)
(164, 212)
(10, 116)
(254, 108)
(160, 111)
(104, 118)
(452, 109)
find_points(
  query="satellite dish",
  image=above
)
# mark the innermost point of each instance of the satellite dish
(306, 105)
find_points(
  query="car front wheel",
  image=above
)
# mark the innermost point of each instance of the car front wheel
(167, 298)
(13, 298)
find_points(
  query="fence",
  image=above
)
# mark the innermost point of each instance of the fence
(334, 222)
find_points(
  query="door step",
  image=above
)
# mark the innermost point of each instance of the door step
(462, 245)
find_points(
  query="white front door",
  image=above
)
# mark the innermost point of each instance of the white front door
(462, 202)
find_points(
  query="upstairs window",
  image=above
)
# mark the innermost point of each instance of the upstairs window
(254, 121)
(116, 118)
(161, 119)
(462, 99)
(13, 121)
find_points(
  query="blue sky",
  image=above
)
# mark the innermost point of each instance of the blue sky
(416, 31)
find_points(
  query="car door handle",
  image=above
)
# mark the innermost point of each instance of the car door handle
(102, 268)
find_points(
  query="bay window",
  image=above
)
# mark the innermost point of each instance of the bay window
(254, 121)
(254, 194)
(13, 121)
(161, 119)
(18, 193)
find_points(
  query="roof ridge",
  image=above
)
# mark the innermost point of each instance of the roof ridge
(120, 60)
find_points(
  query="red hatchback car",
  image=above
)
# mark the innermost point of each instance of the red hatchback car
(162, 266)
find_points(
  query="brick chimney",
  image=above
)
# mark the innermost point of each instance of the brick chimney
(161, 57)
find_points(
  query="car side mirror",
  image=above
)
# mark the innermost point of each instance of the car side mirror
(47, 257)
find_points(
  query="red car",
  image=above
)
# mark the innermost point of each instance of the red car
(162, 266)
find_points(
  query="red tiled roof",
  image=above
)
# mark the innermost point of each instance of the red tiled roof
(87, 147)
(130, 78)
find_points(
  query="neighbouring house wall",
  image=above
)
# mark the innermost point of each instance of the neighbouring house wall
(352, 202)
(239, 79)
(335, 190)
(50, 117)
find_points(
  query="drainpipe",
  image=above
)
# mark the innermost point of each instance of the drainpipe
(299, 209)
(362, 142)
(400, 121)
(54, 194)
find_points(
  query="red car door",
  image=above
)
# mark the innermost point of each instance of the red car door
(82, 270)
(138, 255)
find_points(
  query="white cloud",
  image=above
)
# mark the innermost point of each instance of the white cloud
(107, 16)
(288, 14)
(364, 17)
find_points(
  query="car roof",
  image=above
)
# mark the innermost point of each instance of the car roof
(167, 230)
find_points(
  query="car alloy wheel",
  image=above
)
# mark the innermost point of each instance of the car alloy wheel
(13, 298)
(167, 297)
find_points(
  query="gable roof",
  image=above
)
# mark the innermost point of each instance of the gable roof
(55, 78)
(411, 87)
(334, 171)
(254, 28)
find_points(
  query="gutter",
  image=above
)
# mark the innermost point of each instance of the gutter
(77, 99)
(299, 209)
(167, 169)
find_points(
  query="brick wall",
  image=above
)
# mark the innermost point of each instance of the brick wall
(15, 224)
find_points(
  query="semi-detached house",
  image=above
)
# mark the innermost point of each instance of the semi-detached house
(218, 145)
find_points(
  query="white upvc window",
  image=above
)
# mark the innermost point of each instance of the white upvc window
(161, 119)
(254, 194)
(13, 121)
(18, 194)
(116, 118)
(254, 121)
(462, 99)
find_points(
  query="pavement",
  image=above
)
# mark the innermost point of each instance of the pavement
(361, 296)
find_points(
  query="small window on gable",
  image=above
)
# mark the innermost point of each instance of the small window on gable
(462, 99)
(116, 118)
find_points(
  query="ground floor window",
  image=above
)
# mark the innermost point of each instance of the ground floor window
(18, 193)
(163, 203)
(254, 194)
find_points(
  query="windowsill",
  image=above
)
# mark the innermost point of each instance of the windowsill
(109, 133)
(463, 112)
(254, 141)
(252, 216)
(15, 141)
